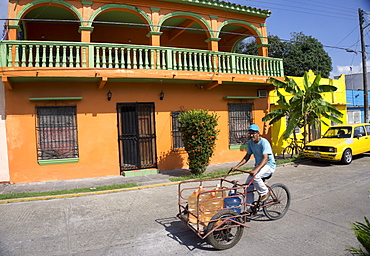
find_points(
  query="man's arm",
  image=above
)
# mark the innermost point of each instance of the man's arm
(243, 161)
(261, 165)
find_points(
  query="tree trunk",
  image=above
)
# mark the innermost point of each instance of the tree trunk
(305, 130)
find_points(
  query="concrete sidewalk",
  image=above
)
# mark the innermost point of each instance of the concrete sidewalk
(146, 180)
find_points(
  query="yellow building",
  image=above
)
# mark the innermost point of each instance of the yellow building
(337, 99)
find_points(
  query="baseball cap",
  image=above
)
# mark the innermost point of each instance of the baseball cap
(254, 127)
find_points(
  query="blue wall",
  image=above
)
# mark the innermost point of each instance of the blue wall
(355, 99)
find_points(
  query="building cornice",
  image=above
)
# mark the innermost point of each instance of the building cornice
(218, 4)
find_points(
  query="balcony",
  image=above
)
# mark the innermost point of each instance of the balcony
(24, 55)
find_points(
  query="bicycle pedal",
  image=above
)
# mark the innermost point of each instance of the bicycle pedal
(256, 204)
(255, 208)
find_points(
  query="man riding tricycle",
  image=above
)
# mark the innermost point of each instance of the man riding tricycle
(218, 212)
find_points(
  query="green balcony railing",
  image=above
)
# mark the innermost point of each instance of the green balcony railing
(124, 56)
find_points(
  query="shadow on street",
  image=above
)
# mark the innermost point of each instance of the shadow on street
(323, 163)
(179, 232)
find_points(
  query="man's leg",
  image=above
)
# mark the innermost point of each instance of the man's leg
(258, 182)
(250, 194)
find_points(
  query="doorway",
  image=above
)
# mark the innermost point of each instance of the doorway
(136, 136)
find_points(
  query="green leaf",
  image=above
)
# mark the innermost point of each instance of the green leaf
(293, 122)
(199, 135)
(274, 116)
(362, 232)
(278, 83)
(305, 107)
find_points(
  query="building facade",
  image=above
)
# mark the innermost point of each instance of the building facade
(94, 88)
(355, 97)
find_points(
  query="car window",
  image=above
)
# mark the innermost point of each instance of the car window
(338, 132)
(360, 131)
(367, 127)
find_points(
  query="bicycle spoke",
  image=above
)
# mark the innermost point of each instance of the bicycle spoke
(278, 203)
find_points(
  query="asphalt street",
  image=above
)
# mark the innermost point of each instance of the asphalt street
(326, 198)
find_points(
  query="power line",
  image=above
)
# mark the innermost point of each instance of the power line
(351, 66)
(341, 16)
(347, 35)
(339, 8)
(320, 5)
(309, 9)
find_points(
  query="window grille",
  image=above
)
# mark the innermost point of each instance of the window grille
(240, 118)
(56, 132)
(176, 134)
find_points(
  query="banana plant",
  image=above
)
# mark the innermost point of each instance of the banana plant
(305, 107)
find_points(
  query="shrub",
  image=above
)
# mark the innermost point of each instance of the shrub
(362, 232)
(199, 134)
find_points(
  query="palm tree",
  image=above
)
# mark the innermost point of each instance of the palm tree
(306, 106)
(362, 231)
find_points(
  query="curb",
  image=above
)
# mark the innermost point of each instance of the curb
(28, 199)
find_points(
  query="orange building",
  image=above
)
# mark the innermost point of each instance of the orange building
(94, 88)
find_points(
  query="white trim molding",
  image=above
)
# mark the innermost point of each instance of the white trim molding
(4, 164)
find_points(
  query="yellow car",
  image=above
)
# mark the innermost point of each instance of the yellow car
(340, 143)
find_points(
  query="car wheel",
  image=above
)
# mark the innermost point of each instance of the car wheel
(347, 156)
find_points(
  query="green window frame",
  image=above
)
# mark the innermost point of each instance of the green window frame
(240, 118)
(56, 134)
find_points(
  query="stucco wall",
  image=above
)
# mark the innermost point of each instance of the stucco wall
(97, 124)
(96, 116)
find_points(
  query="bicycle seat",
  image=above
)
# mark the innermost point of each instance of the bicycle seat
(266, 178)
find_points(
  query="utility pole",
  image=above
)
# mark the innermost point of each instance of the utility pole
(364, 72)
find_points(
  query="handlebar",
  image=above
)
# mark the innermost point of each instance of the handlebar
(236, 182)
(236, 170)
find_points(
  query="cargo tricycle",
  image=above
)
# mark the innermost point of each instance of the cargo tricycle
(220, 210)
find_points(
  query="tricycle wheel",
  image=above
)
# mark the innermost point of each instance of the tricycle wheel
(272, 209)
(228, 234)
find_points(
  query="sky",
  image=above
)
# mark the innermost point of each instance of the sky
(334, 23)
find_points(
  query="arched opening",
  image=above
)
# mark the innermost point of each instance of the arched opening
(241, 45)
(119, 25)
(184, 31)
(49, 23)
(232, 33)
